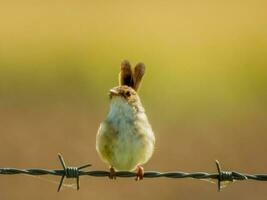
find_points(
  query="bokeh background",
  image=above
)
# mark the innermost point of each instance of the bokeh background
(204, 92)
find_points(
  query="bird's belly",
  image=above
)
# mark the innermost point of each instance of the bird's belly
(125, 154)
(129, 150)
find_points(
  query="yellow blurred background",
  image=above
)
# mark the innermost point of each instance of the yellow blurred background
(204, 92)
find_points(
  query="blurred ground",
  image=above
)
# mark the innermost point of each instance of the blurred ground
(204, 92)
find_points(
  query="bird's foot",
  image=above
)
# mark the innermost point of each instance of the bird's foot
(140, 173)
(112, 173)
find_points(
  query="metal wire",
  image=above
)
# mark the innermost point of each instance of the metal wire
(76, 172)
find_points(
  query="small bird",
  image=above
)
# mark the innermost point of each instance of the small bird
(125, 139)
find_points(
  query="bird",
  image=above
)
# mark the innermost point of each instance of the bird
(125, 139)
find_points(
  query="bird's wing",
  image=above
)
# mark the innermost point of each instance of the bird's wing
(105, 140)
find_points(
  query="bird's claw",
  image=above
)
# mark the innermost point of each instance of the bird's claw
(112, 173)
(140, 173)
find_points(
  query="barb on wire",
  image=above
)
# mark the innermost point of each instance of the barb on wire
(70, 172)
(76, 172)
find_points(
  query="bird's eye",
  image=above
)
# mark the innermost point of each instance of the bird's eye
(128, 93)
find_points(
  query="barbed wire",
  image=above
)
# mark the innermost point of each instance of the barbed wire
(76, 172)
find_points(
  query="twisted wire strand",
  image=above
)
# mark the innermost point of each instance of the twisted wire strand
(76, 172)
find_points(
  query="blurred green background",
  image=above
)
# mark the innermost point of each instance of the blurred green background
(204, 91)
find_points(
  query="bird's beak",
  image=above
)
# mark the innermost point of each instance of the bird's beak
(113, 92)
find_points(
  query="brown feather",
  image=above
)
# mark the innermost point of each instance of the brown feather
(126, 75)
(139, 72)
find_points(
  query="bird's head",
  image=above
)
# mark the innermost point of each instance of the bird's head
(125, 95)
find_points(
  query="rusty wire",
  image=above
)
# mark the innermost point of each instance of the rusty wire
(76, 172)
